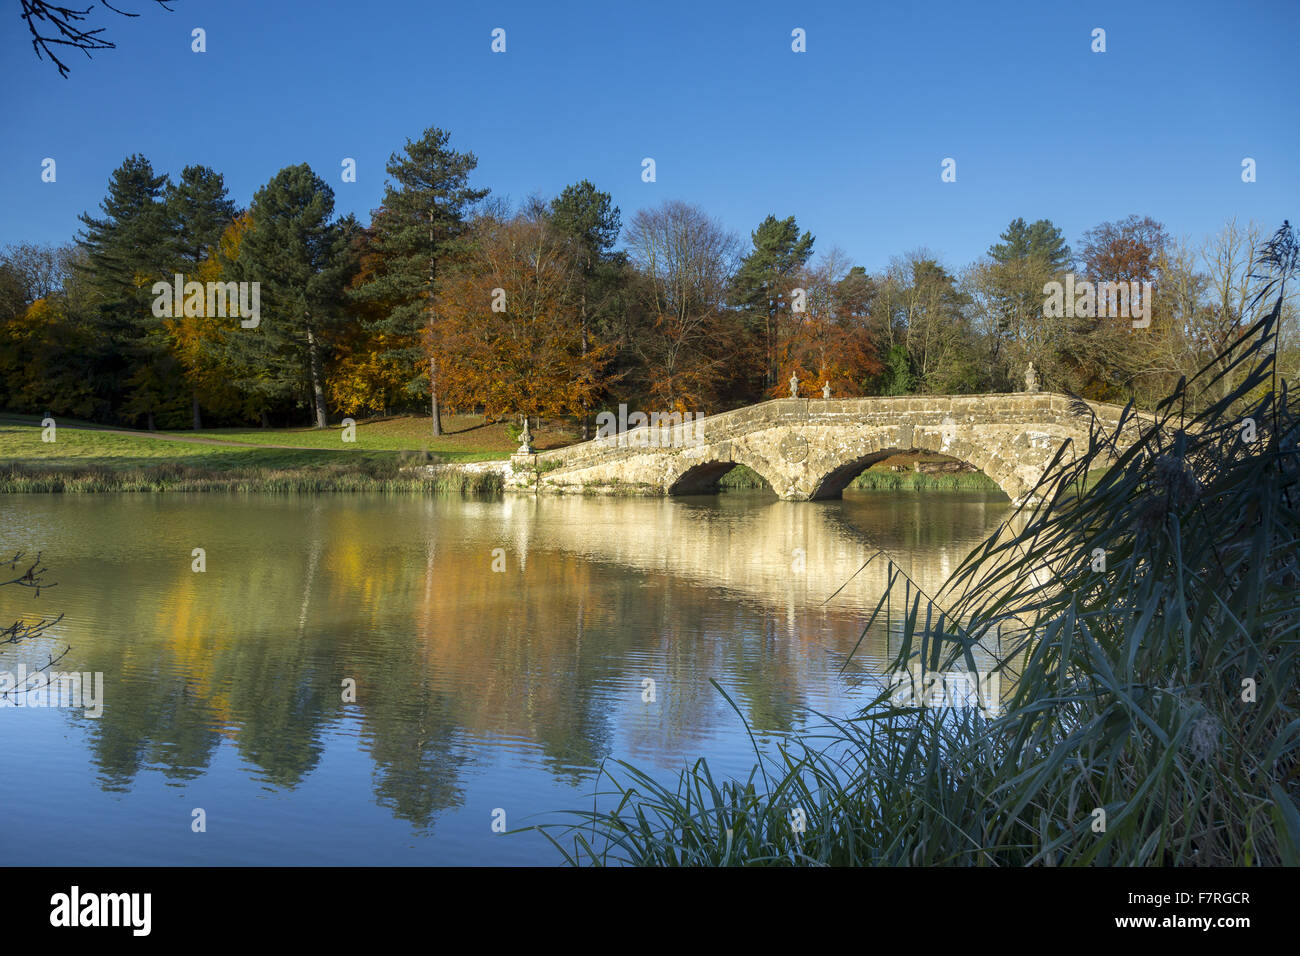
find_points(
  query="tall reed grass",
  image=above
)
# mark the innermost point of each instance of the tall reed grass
(1149, 625)
(743, 478)
(872, 480)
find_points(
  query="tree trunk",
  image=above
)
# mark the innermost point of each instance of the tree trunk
(150, 421)
(266, 421)
(583, 314)
(434, 409)
(771, 345)
(584, 365)
(318, 391)
(194, 406)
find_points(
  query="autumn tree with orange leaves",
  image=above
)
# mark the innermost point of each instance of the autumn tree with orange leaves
(826, 341)
(509, 336)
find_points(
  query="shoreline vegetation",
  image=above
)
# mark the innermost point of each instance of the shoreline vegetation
(881, 477)
(389, 455)
(1145, 624)
(369, 475)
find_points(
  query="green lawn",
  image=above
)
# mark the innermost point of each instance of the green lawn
(76, 448)
(462, 435)
(78, 443)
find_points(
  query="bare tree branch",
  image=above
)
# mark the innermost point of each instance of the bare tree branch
(64, 29)
(33, 576)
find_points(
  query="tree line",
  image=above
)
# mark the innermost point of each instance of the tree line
(451, 298)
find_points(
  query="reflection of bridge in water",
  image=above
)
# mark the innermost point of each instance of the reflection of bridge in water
(811, 449)
(790, 558)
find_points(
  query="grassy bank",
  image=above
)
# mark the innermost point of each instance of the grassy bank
(89, 458)
(464, 438)
(741, 478)
(879, 480)
(360, 475)
(1149, 628)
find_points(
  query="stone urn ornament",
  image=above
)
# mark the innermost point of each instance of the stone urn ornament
(826, 390)
(525, 436)
(794, 386)
(1031, 379)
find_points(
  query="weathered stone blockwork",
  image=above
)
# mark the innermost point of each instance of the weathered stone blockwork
(812, 448)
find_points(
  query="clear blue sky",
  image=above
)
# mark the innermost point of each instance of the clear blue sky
(848, 136)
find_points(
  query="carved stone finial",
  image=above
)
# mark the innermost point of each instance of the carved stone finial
(794, 385)
(1031, 379)
(826, 390)
(526, 438)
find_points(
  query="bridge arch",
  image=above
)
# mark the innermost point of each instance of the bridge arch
(832, 474)
(701, 477)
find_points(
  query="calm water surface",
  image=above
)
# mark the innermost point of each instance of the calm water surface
(476, 689)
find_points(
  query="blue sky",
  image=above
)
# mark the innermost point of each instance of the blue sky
(848, 136)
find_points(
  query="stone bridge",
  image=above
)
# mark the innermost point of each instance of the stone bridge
(810, 449)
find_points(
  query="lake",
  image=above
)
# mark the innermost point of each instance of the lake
(499, 651)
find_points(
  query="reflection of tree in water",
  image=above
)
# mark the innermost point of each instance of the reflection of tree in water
(575, 731)
(759, 660)
(446, 654)
(284, 706)
(195, 657)
(736, 643)
(526, 655)
(418, 755)
(154, 723)
(286, 688)
(156, 717)
(922, 523)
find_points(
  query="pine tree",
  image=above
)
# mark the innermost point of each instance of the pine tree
(126, 252)
(418, 229)
(198, 210)
(1042, 239)
(591, 221)
(302, 259)
(766, 276)
(1028, 257)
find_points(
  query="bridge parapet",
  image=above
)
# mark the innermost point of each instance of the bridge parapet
(806, 447)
